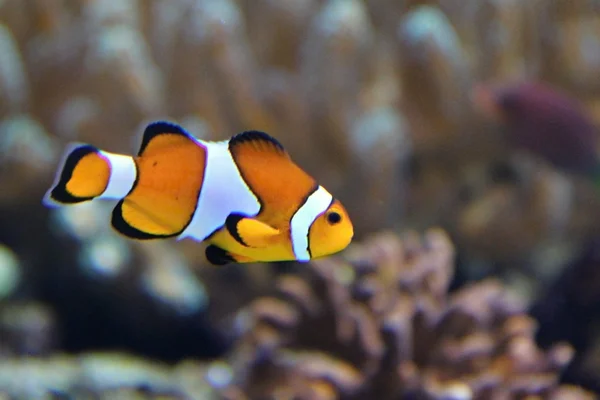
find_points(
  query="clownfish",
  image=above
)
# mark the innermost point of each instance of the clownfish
(244, 197)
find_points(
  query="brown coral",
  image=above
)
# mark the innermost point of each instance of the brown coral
(380, 324)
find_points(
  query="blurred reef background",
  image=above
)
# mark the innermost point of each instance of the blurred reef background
(475, 271)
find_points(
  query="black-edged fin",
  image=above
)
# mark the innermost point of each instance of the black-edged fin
(258, 140)
(158, 128)
(154, 208)
(60, 193)
(250, 232)
(217, 256)
(78, 181)
(119, 222)
(231, 224)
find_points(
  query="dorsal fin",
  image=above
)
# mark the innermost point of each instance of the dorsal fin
(259, 141)
(170, 165)
(158, 128)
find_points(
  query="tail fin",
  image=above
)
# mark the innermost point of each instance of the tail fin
(83, 174)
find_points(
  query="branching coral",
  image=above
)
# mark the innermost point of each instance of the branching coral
(381, 324)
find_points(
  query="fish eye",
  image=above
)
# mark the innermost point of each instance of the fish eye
(333, 218)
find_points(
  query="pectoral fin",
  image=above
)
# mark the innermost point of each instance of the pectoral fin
(250, 232)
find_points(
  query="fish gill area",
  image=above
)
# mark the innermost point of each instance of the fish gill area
(475, 268)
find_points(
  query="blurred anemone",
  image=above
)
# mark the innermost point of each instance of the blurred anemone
(10, 272)
(13, 84)
(24, 147)
(104, 376)
(27, 329)
(433, 67)
(357, 91)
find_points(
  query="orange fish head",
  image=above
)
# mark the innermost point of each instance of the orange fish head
(331, 232)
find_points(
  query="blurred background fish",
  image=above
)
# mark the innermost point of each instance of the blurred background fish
(478, 118)
(545, 122)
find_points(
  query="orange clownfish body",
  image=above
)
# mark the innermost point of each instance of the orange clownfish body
(244, 196)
